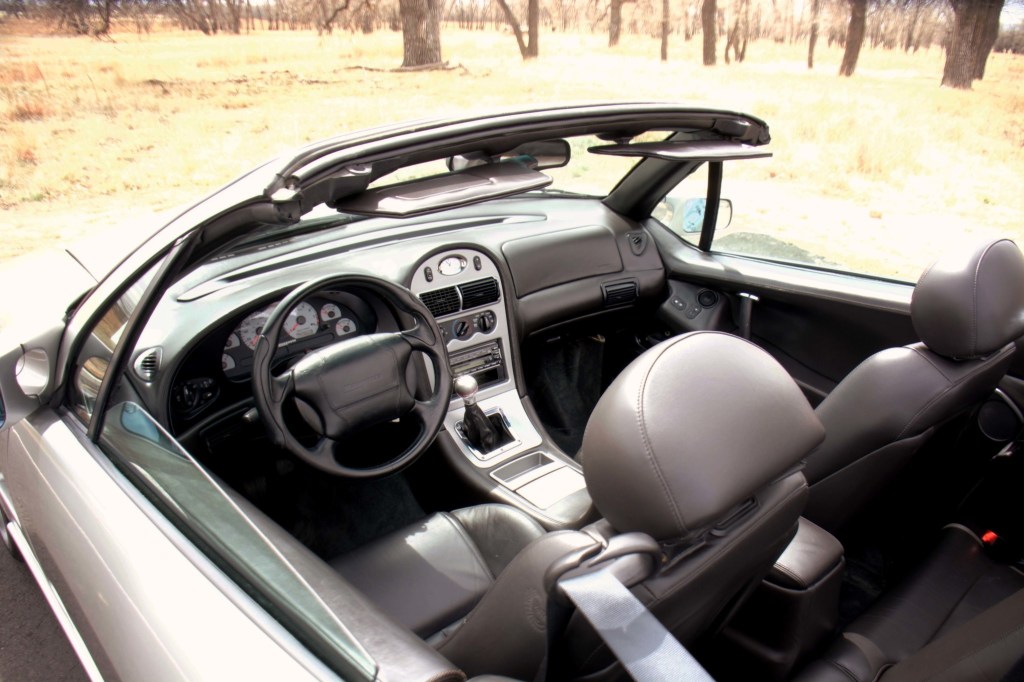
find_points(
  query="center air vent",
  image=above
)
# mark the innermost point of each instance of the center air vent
(441, 302)
(479, 292)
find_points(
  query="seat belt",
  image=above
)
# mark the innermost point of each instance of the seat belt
(645, 648)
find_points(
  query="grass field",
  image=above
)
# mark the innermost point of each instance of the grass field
(95, 132)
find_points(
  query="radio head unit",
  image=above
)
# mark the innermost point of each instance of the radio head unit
(484, 362)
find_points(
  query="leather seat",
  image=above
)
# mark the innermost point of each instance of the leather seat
(698, 443)
(967, 309)
(961, 615)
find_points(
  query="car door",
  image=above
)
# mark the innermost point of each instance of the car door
(129, 581)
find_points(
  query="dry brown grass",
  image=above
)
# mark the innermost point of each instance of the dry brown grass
(887, 157)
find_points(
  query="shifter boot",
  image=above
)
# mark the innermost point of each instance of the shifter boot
(479, 430)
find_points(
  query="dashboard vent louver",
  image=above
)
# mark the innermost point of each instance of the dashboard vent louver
(619, 293)
(441, 302)
(148, 364)
(479, 292)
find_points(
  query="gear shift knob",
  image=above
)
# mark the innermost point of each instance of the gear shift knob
(466, 388)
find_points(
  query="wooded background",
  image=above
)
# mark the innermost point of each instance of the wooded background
(968, 30)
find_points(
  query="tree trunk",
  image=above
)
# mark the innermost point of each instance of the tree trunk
(615, 22)
(708, 27)
(533, 26)
(664, 29)
(988, 38)
(813, 40)
(967, 44)
(421, 32)
(516, 31)
(854, 36)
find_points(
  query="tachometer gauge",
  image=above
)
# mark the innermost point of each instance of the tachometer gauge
(329, 312)
(232, 342)
(227, 362)
(252, 327)
(301, 321)
(344, 326)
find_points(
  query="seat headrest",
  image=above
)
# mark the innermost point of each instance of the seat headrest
(690, 429)
(971, 303)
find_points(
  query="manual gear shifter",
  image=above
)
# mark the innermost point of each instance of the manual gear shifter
(478, 429)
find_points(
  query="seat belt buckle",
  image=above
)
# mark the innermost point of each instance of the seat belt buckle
(631, 557)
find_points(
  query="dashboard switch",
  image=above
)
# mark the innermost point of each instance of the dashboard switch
(477, 264)
(485, 323)
(428, 273)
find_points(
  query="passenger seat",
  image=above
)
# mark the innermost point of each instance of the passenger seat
(960, 617)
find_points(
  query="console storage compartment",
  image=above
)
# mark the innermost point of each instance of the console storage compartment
(792, 612)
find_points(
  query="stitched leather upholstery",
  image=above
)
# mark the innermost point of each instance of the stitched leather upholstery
(960, 614)
(968, 309)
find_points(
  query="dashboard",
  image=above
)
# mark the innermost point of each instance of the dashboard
(491, 275)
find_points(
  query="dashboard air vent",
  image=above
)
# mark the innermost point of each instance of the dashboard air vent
(479, 292)
(147, 364)
(441, 302)
(619, 293)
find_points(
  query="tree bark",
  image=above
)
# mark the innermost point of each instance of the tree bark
(533, 26)
(854, 36)
(529, 45)
(421, 32)
(967, 44)
(664, 29)
(615, 22)
(813, 39)
(988, 38)
(709, 28)
(513, 23)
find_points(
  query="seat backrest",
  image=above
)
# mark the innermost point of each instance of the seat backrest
(968, 308)
(699, 444)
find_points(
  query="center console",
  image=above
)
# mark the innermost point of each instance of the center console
(463, 289)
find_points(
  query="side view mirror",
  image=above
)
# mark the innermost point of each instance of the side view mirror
(689, 218)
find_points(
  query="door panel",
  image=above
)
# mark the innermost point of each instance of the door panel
(143, 609)
(818, 325)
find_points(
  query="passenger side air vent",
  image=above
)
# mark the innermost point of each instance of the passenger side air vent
(441, 302)
(479, 292)
(619, 293)
(147, 364)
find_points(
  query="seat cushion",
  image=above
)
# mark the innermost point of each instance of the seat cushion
(957, 583)
(432, 573)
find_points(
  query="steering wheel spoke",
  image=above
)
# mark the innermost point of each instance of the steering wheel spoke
(355, 383)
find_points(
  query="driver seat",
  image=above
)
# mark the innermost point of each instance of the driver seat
(698, 443)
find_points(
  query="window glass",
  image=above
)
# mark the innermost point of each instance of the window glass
(176, 484)
(778, 221)
(93, 358)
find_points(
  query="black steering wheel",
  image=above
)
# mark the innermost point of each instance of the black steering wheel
(355, 383)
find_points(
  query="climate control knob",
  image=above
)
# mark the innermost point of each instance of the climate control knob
(461, 328)
(486, 321)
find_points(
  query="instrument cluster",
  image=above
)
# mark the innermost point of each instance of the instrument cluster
(312, 323)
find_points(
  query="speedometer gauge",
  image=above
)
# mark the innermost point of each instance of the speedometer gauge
(301, 321)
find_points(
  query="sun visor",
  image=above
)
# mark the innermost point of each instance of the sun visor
(437, 192)
(688, 150)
